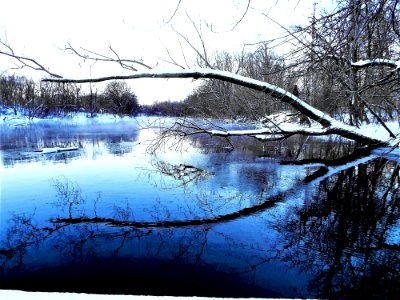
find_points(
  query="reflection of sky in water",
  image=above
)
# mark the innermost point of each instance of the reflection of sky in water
(113, 164)
(117, 175)
(119, 179)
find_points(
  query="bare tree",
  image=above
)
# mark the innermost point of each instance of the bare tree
(352, 59)
(122, 100)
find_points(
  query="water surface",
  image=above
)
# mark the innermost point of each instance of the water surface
(196, 217)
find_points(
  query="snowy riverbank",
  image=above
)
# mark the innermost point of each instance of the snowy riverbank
(281, 120)
(7, 117)
(21, 295)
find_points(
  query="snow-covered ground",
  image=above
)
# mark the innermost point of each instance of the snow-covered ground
(379, 131)
(7, 117)
(274, 126)
(20, 295)
(285, 121)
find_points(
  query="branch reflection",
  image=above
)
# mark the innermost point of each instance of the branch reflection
(340, 230)
(344, 234)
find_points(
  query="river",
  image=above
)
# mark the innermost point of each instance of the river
(126, 213)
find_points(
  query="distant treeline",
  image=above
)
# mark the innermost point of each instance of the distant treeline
(27, 97)
(40, 99)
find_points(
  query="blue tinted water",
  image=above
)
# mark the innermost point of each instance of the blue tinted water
(113, 178)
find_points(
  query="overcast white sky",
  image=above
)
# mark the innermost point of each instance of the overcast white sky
(136, 29)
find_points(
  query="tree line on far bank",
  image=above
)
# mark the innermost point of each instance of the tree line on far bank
(40, 99)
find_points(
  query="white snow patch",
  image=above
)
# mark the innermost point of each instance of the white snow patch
(379, 132)
(19, 295)
(276, 125)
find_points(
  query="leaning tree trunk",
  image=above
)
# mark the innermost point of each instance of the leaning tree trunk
(328, 124)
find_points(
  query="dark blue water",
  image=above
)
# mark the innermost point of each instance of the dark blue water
(195, 217)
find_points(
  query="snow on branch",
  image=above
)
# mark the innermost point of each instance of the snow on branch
(331, 125)
(283, 132)
(376, 62)
(259, 133)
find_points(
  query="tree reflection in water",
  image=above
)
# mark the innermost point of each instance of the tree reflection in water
(100, 259)
(341, 236)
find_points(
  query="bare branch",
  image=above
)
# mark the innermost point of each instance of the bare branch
(235, 24)
(392, 135)
(94, 56)
(242, 17)
(173, 15)
(172, 60)
(201, 54)
(200, 36)
(394, 19)
(26, 61)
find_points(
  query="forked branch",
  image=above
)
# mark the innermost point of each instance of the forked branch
(86, 54)
(25, 62)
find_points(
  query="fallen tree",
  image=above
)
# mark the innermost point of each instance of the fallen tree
(328, 124)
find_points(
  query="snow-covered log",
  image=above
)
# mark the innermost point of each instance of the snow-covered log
(329, 125)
